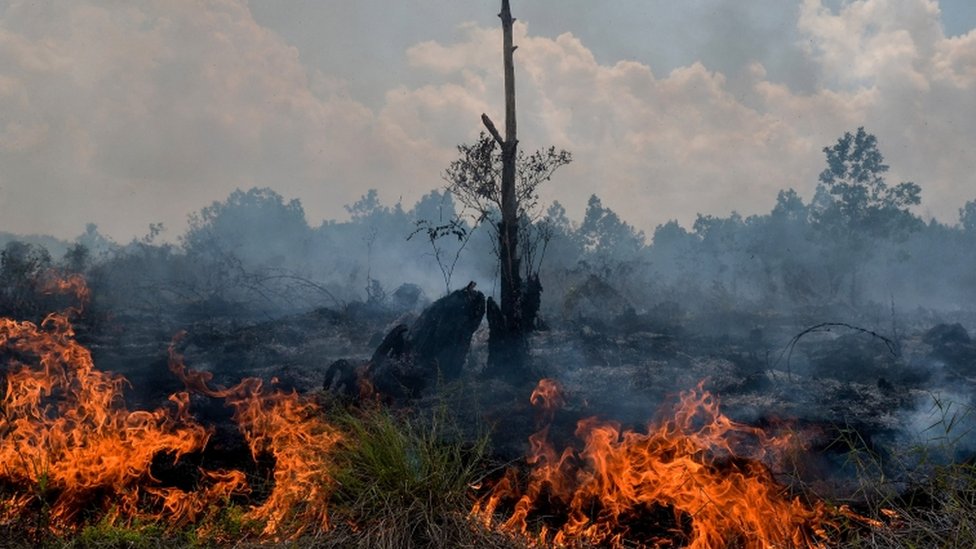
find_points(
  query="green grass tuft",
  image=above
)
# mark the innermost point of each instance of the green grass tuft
(405, 481)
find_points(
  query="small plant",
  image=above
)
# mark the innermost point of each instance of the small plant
(106, 535)
(404, 481)
(922, 497)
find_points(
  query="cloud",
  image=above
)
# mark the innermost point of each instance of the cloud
(653, 148)
(656, 147)
(133, 115)
(128, 115)
(892, 69)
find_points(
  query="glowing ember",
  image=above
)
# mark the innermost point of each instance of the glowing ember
(699, 469)
(68, 444)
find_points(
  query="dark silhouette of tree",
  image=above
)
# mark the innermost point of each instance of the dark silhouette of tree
(244, 247)
(853, 196)
(475, 180)
(437, 220)
(77, 259)
(605, 239)
(256, 225)
(368, 205)
(967, 216)
(22, 267)
(789, 207)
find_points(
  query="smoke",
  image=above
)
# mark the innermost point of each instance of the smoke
(944, 424)
(628, 321)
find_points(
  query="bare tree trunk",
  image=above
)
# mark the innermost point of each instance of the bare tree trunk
(511, 283)
(507, 331)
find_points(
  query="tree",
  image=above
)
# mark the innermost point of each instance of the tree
(435, 217)
(257, 226)
(77, 259)
(789, 208)
(247, 247)
(967, 216)
(475, 180)
(22, 267)
(488, 180)
(853, 204)
(853, 196)
(367, 206)
(606, 240)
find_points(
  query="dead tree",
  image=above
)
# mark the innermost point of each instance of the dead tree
(507, 332)
(489, 184)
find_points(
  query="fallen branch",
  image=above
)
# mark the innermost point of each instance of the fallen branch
(826, 327)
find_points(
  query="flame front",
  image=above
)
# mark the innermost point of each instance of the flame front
(68, 444)
(67, 441)
(707, 472)
(292, 430)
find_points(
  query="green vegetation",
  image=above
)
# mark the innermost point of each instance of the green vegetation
(924, 497)
(406, 481)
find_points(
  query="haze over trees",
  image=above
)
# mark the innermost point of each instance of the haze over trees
(855, 245)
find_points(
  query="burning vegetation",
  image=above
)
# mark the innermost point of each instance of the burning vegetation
(294, 412)
(72, 451)
(694, 479)
(372, 473)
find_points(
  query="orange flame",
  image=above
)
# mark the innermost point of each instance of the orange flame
(64, 431)
(702, 468)
(67, 441)
(292, 431)
(548, 396)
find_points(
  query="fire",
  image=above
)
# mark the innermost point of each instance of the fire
(292, 430)
(548, 396)
(64, 434)
(69, 445)
(705, 474)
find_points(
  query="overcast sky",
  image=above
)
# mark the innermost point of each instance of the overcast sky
(127, 113)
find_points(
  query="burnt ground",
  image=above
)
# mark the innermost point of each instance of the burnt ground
(832, 385)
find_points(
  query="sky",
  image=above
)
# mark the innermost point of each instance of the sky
(131, 113)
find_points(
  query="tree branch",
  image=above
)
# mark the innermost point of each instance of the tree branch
(826, 327)
(492, 130)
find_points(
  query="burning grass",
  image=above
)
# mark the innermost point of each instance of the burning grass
(79, 469)
(69, 445)
(73, 454)
(704, 478)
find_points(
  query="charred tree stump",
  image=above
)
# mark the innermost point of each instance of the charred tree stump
(393, 346)
(435, 346)
(508, 348)
(441, 337)
(532, 302)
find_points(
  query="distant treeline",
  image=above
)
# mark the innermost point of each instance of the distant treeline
(855, 245)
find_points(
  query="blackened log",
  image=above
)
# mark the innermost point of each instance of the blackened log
(435, 345)
(394, 345)
(441, 337)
